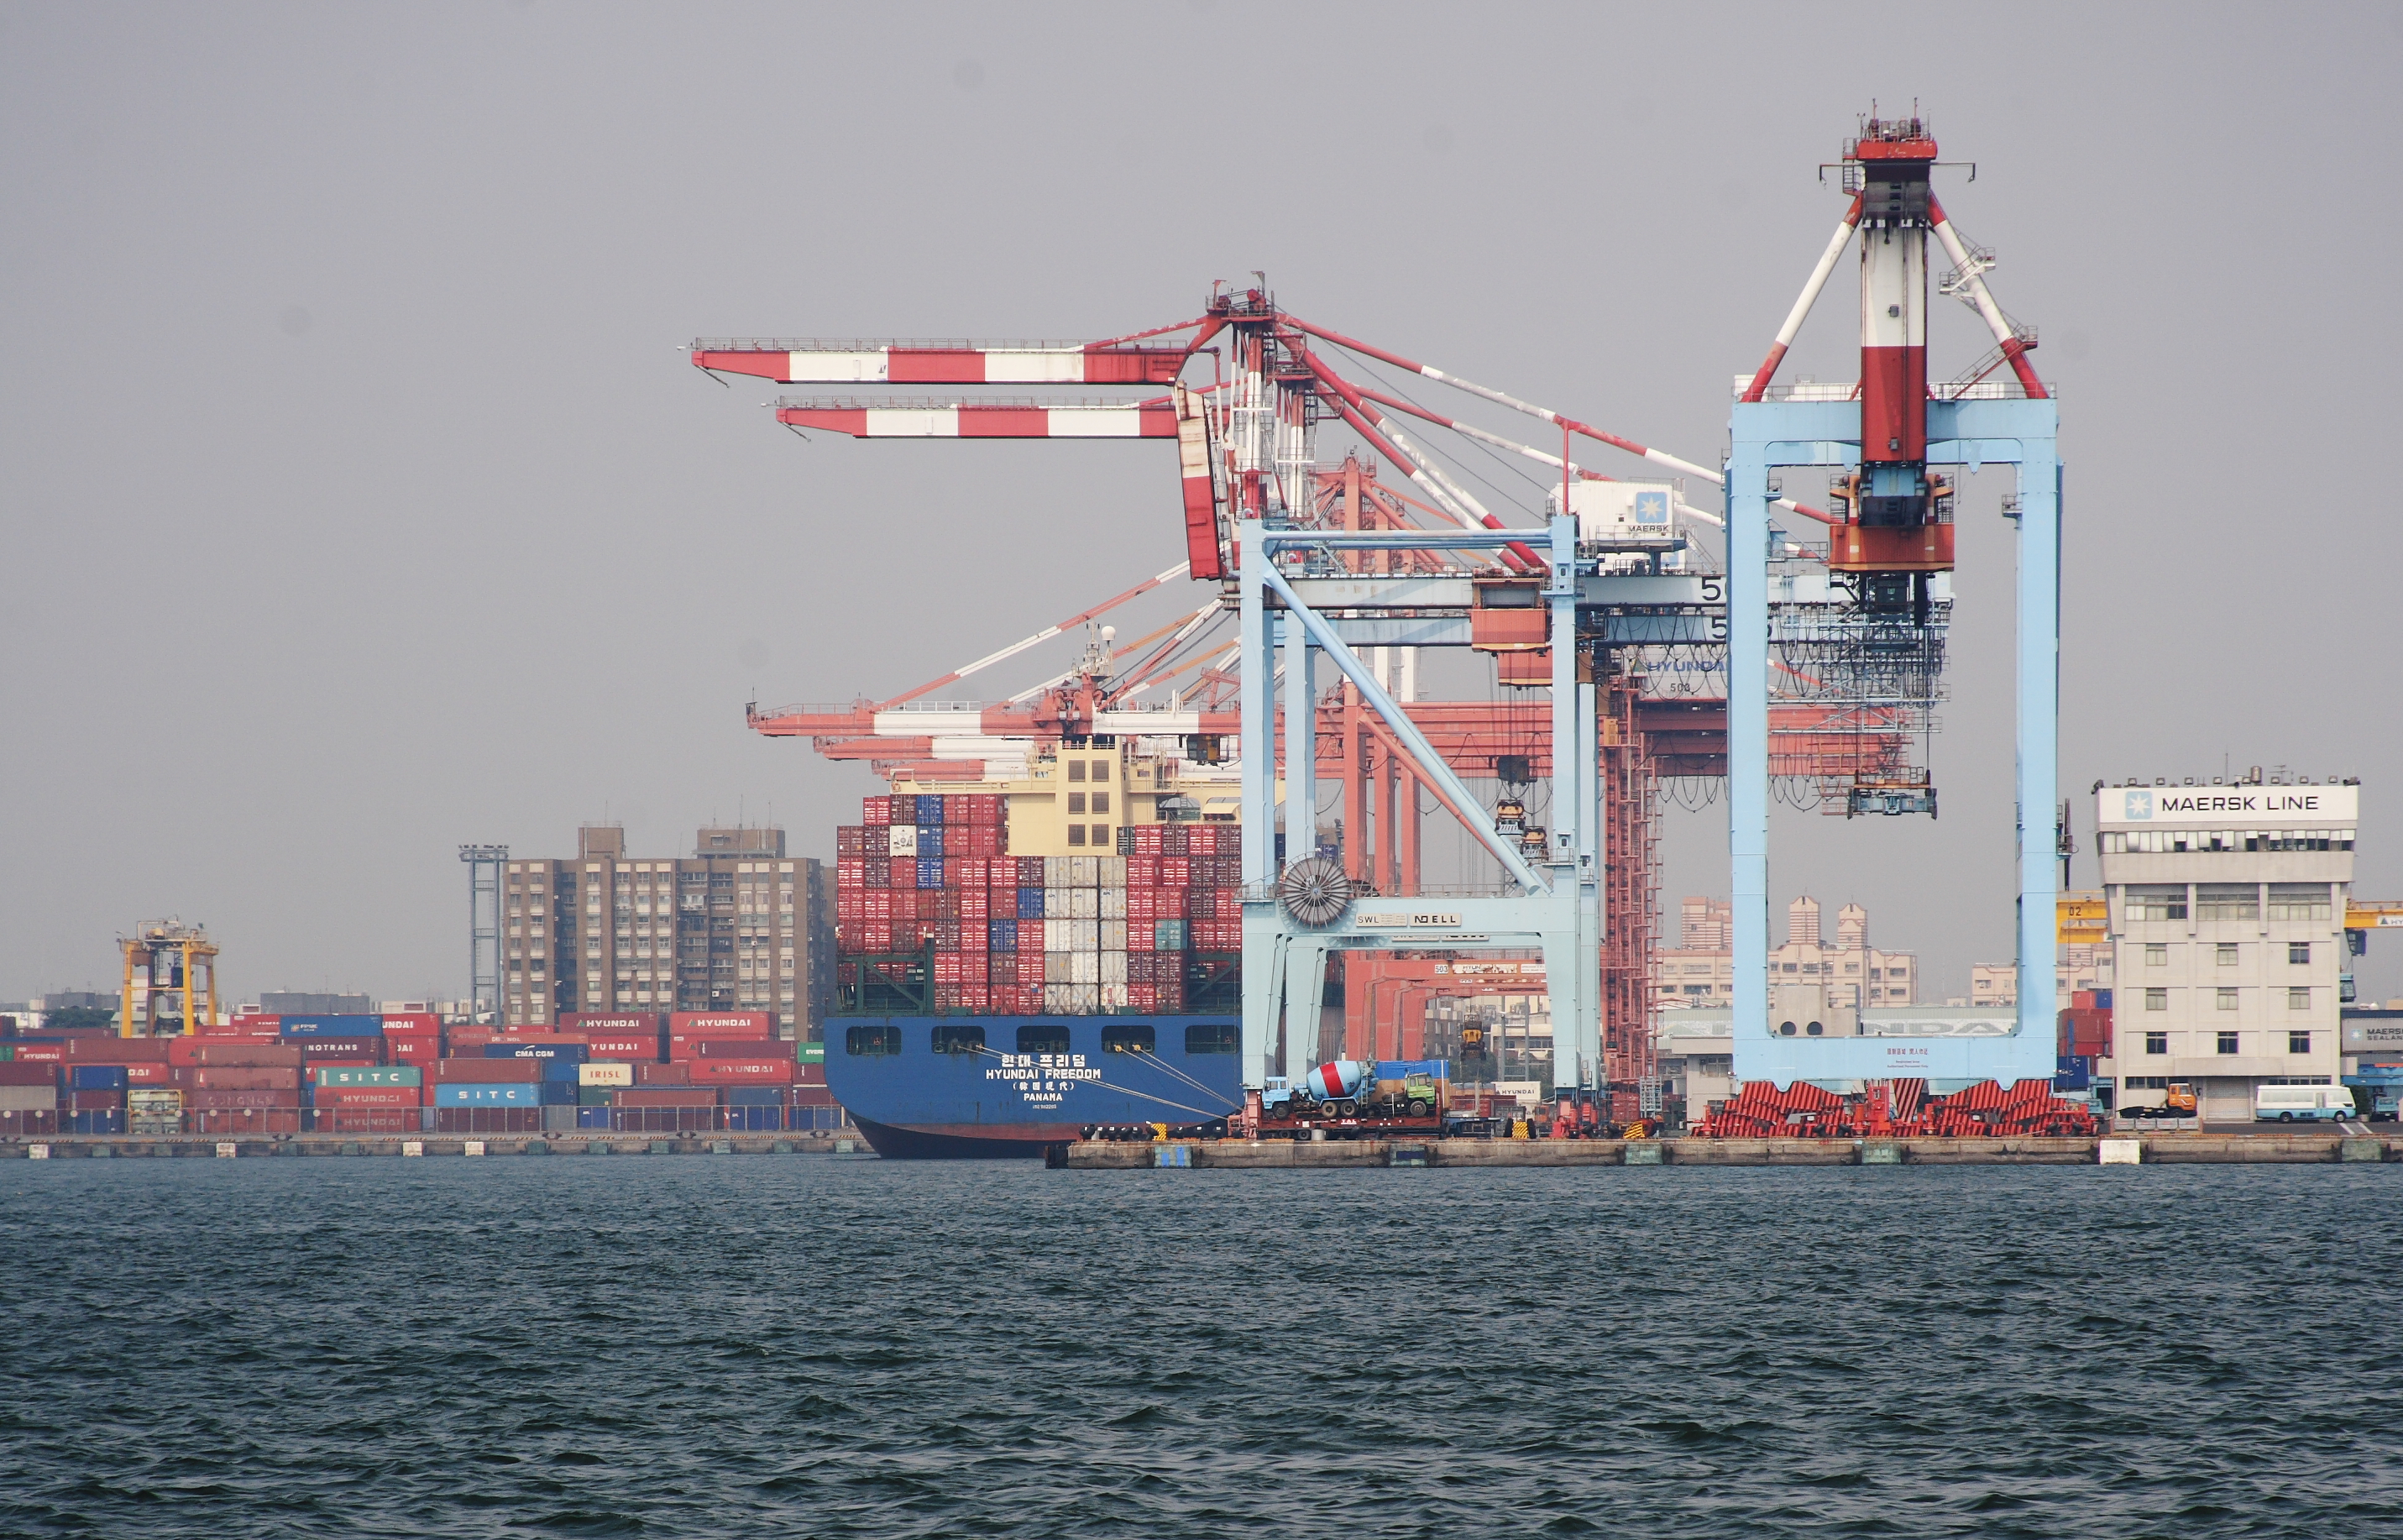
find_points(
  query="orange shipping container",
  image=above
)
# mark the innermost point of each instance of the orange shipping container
(720, 1024)
(231, 1052)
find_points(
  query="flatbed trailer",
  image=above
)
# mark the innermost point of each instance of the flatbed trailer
(1359, 1125)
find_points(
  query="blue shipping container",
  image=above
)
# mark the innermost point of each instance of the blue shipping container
(755, 1096)
(333, 1026)
(593, 1117)
(572, 1053)
(1397, 1069)
(754, 1120)
(96, 1122)
(556, 1093)
(929, 810)
(515, 1094)
(930, 872)
(1002, 935)
(2101, 999)
(568, 1070)
(1030, 903)
(930, 842)
(2071, 1073)
(97, 1078)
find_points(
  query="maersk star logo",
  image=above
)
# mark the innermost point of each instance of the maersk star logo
(2140, 805)
(1651, 507)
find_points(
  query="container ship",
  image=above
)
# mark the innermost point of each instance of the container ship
(1020, 961)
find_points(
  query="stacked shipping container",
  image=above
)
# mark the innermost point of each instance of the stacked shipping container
(265, 1076)
(928, 901)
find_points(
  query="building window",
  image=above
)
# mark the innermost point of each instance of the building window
(2299, 901)
(876, 1041)
(2227, 999)
(1076, 770)
(2157, 1042)
(2226, 953)
(2145, 1082)
(1075, 802)
(2155, 900)
(2228, 901)
(2157, 954)
(959, 1037)
(2298, 1042)
(2298, 999)
(1075, 834)
(2299, 951)
(1100, 801)
(2156, 999)
(2227, 1043)
(1101, 834)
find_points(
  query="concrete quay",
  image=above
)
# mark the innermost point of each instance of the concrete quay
(2154, 1149)
(202, 1148)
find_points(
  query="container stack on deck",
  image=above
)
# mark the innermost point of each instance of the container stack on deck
(263, 1075)
(932, 914)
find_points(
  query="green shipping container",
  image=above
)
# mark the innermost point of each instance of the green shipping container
(596, 1096)
(811, 1054)
(370, 1075)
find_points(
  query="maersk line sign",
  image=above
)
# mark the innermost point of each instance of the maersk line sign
(2229, 807)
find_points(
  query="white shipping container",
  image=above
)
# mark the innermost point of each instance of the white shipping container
(1055, 871)
(1084, 903)
(1085, 935)
(1114, 968)
(1084, 871)
(1055, 903)
(1084, 967)
(1113, 872)
(1113, 903)
(605, 1075)
(1083, 999)
(28, 1099)
(1114, 936)
(1114, 997)
(902, 839)
(1055, 966)
(1055, 998)
(151, 1099)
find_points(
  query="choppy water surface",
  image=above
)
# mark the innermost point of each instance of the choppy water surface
(761, 1345)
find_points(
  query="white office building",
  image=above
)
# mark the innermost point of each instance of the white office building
(2227, 931)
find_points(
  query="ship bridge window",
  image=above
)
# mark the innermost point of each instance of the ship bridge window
(959, 1037)
(1043, 1038)
(876, 1041)
(1130, 1037)
(1213, 1037)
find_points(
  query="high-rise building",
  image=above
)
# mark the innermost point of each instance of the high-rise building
(738, 926)
(2226, 925)
(1700, 971)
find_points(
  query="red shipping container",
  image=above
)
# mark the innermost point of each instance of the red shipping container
(226, 1100)
(533, 1038)
(876, 811)
(20, 1125)
(752, 1071)
(95, 1100)
(1142, 997)
(233, 1054)
(255, 1023)
(41, 1053)
(666, 1096)
(411, 1021)
(850, 871)
(369, 1096)
(809, 1096)
(741, 1047)
(482, 1120)
(663, 1075)
(880, 872)
(118, 1050)
(150, 1075)
(348, 1119)
(616, 1050)
(809, 1075)
(340, 1050)
(22, 1071)
(413, 1049)
(257, 1122)
(721, 1023)
(485, 1072)
(973, 968)
(1175, 871)
(947, 997)
(242, 1078)
(621, 1024)
(975, 997)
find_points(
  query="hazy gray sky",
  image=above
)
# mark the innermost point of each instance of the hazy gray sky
(360, 501)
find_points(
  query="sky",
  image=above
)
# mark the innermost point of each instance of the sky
(361, 501)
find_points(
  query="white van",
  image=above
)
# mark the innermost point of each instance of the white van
(2311, 1103)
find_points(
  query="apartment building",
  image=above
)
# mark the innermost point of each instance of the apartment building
(1700, 971)
(737, 925)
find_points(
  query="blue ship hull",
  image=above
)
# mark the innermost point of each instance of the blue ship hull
(996, 1101)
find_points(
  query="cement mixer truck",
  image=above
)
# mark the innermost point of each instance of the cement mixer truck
(1349, 1098)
